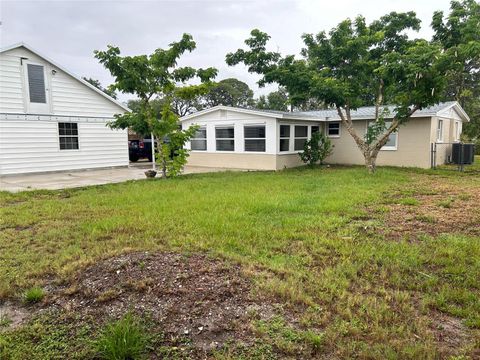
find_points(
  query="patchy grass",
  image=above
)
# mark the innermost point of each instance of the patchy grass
(304, 236)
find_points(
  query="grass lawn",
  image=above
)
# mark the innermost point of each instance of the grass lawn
(316, 240)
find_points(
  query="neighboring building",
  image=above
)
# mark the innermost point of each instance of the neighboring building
(51, 120)
(270, 140)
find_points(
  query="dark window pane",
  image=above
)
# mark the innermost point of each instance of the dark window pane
(299, 143)
(225, 145)
(36, 84)
(284, 130)
(284, 144)
(315, 129)
(301, 131)
(334, 129)
(201, 133)
(224, 133)
(68, 136)
(254, 132)
(199, 144)
(254, 145)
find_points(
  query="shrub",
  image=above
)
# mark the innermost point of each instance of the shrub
(33, 295)
(316, 149)
(122, 339)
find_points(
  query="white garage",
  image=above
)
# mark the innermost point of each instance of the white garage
(51, 120)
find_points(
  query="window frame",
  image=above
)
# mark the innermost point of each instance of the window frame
(33, 107)
(245, 138)
(280, 138)
(395, 133)
(295, 137)
(60, 136)
(457, 130)
(439, 131)
(328, 129)
(230, 139)
(199, 139)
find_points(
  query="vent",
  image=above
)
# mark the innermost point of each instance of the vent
(36, 84)
(463, 153)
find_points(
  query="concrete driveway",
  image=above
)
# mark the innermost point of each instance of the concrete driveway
(73, 179)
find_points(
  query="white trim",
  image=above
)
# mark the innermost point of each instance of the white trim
(22, 44)
(339, 129)
(440, 130)
(46, 107)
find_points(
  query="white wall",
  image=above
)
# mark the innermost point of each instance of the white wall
(33, 146)
(65, 96)
(238, 121)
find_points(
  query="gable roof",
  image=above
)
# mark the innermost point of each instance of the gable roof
(366, 112)
(29, 48)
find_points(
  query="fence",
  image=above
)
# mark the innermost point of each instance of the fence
(453, 156)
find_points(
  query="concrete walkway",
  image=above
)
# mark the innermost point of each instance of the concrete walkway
(73, 179)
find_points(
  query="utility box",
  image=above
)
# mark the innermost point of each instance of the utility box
(463, 153)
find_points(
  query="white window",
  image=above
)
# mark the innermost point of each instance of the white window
(392, 141)
(284, 137)
(68, 136)
(225, 138)
(301, 136)
(36, 88)
(457, 130)
(254, 138)
(333, 129)
(440, 131)
(199, 141)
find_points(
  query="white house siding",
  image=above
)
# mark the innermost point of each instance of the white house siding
(29, 146)
(29, 139)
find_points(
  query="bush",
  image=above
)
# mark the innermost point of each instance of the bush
(33, 295)
(316, 149)
(122, 339)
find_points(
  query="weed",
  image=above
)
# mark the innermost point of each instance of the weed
(410, 201)
(123, 339)
(33, 295)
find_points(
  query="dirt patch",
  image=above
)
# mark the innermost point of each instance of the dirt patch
(449, 332)
(205, 301)
(12, 316)
(433, 207)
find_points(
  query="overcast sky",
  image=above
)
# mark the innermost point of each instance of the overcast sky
(69, 31)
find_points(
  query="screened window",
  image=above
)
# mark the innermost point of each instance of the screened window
(224, 137)
(36, 83)
(284, 137)
(457, 130)
(315, 129)
(254, 138)
(440, 130)
(68, 135)
(333, 129)
(199, 141)
(391, 143)
(301, 136)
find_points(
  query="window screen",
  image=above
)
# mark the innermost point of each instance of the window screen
(199, 141)
(224, 137)
(68, 135)
(301, 135)
(254, 138)
(333, 129)
(36, 84)
(284, 137)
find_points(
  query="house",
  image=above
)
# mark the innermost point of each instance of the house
(51, 120)
(270, 140)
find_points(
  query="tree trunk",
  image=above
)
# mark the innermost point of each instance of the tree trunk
(371, 163)
(163, 161)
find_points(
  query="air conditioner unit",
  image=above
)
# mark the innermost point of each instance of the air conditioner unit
(467, 156)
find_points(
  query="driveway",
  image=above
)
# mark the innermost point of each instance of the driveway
(73, 179)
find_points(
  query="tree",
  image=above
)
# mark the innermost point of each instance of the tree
(356, 64)
(230, 92)
(157, 75)
(276, 100)
(459, 35)
(99, 86)
(316, 149)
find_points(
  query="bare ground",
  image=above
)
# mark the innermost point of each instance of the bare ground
(439, 207)
(197, 302)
